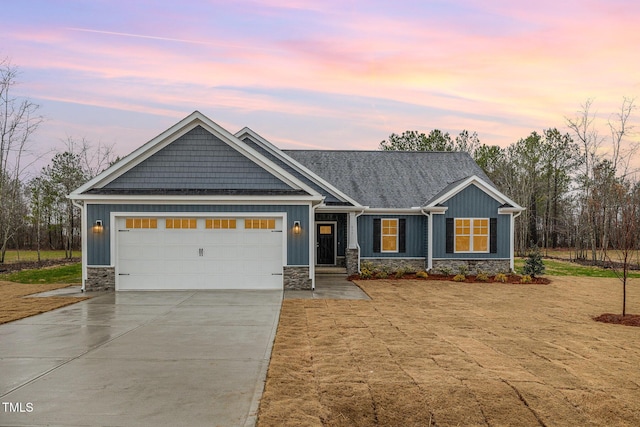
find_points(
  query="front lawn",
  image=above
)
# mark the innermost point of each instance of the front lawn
(68, 274)
(15, 288)
(449, 354)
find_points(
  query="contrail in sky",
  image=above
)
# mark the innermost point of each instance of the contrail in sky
(141, 36)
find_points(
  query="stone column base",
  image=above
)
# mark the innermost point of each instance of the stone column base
(351, 257)
(100, 279)
(296, 278)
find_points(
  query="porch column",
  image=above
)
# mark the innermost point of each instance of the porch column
(352, 254)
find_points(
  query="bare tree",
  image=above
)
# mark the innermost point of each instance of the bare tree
(625, 233)
(18, 121)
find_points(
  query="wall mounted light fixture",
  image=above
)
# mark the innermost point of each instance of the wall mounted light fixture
(97, 227)
(296, 227)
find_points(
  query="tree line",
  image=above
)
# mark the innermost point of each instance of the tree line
(577, 187)
(35, 212)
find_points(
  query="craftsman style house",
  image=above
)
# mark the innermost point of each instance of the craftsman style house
(200, 208)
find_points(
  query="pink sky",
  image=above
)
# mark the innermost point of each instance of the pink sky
(320, 74)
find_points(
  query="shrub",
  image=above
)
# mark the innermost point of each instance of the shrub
(482, 276)
(382, 275)
(459, 278)
(533, 265)
(422, 274)
(463, 269)
(446, 271)
(500, 277)
(401, 272)
(365, 273)
(525, 279)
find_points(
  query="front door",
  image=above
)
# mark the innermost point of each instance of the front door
(326, 245)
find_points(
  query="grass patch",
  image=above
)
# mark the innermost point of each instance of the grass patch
(70, 274)
(562, 268)
(21, 256)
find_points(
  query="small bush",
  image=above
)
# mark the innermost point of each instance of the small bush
(482, 276)
(401, 272)
(382, 275)
(500, 277)
(533, 265)
(422, 274)
(463, 269)
(525, 279)
(446, 271)
(365, 273)
(459, 278)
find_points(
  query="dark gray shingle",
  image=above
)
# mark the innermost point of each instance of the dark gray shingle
(390, 179)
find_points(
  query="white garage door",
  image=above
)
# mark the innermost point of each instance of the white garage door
(199, 253)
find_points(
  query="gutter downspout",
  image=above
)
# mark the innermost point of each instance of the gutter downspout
(357, 242)
(512, 240)
(83, 237)
(429, 238)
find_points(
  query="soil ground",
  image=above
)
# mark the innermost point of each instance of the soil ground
(449, 354)
(15, 304)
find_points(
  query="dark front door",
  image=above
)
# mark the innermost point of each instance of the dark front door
(326, 235)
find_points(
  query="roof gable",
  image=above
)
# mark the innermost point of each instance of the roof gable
(456, 187)
(195, 156)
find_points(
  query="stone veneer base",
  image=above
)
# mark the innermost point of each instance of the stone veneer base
(100, 279)
(351, 261)
(394, 264)
(488, 266)
(296, 278)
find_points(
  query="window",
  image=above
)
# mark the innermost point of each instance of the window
(472, 235)
(141, 223)
(220, 223)
(259, 223)
(389, 235)
(178, 223)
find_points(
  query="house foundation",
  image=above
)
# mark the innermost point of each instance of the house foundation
(296, 278)
(473, 267)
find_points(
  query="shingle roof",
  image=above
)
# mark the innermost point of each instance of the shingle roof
(390, 179)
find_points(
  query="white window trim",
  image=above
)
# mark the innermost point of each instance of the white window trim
(471, 250)
(382, 235)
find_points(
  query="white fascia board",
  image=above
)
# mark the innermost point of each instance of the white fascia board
(482, 185)
(295, 164)
(160, 199)
(176, 131)
(391, 211)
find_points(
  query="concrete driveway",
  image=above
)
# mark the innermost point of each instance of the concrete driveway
(140, 359)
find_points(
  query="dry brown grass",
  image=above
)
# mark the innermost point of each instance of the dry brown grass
(14, 305)
(457, 354)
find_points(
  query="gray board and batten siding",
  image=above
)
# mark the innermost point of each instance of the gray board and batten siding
(198, 160)
(472, 202)
(415, 232)
(98, 244)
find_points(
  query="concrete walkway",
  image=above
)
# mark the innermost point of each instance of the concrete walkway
(140, 359)
(329, 286)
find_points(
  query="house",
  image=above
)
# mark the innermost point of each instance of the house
(200, 208)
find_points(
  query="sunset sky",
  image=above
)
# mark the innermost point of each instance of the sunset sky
(324, 74)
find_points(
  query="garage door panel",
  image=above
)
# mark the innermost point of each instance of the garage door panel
(199, 258)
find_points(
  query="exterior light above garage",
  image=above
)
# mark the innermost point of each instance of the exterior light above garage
(296, 227)
(97, 228)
